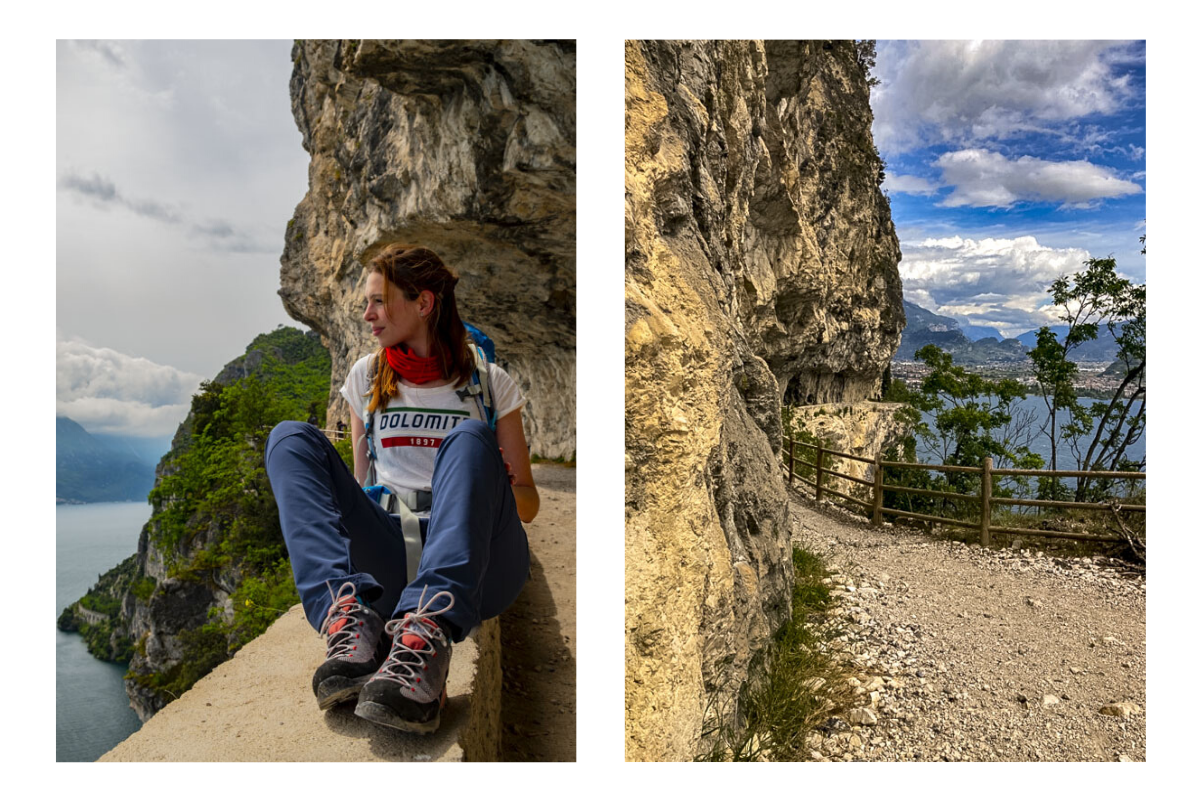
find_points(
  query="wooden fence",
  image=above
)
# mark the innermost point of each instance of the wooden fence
(333, 435)
(985, 499)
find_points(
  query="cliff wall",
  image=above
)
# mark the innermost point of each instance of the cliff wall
(178, 606)
(760, 262)
(862, 429)
(467, 148)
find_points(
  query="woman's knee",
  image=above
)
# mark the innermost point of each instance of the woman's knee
(473, 431)
(291, 433)
(471, 427)
(471, 442)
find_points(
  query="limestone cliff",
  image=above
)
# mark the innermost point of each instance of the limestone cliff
(177, 607)
(467, 148)
(760, 261)
(863, 429)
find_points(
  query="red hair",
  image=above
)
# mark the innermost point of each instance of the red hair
(413, 270)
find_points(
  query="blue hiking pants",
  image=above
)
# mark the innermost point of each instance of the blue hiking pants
(475, 547)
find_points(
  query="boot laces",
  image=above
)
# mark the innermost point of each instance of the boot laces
(405, 663)
(338, 625)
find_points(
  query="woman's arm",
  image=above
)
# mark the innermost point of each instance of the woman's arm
(511, 436)
(357, 429)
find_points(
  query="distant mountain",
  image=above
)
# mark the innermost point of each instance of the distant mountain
(1103, 348)
(89, 470)
(139, 448)
(1029, 338)
(977, 332)
(925, 327)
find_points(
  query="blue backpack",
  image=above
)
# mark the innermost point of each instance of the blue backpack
(485, 353)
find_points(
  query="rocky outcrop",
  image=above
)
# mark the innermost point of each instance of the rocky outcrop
(467, 148)
(863, 429)
(760, 263)
(169, 610)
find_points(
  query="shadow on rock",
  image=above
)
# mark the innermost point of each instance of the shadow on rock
(392, 745)
(538, 699)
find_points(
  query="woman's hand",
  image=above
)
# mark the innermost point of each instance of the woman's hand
(510, 435)
(508, 468)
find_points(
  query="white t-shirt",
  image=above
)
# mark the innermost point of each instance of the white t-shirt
(410, 429)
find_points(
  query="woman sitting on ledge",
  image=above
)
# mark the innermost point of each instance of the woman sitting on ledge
(456, 554)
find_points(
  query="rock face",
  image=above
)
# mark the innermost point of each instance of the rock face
(760, 261)
(464, 147)
(862, 429)
(153, 609)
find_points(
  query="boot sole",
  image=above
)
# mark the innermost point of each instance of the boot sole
(338, 689)
(382, 715)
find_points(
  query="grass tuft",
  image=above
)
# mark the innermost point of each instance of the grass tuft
(805, 680)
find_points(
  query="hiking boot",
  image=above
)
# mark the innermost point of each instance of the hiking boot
(409, 690)
(354, 649)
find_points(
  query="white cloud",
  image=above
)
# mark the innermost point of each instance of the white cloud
(909, 184)
(110, 392)
(984, 178)
(996, 282)
(971, 92)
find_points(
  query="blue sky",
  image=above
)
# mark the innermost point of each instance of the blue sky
(1008, 164)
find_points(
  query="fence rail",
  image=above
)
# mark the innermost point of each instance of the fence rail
(985, 499)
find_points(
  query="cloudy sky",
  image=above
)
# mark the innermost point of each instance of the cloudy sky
(178, 165)
(1008, 164)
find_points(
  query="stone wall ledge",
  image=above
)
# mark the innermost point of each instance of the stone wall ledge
(259, 706)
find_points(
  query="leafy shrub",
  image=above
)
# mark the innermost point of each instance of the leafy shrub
(143, 587)
(260, 600)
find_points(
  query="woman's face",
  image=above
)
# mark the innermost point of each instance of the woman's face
(400, 319)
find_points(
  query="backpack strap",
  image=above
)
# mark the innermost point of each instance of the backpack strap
(410, 525)
(481, 375)
(480, 387)
(368, 423)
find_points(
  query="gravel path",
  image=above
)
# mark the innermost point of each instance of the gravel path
(972, 654)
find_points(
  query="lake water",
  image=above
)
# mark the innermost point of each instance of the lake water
(1041, 445)
(92, 709)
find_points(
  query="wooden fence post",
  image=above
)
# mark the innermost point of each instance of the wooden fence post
(985, 503)
(791, 461)
(820, 461)
(877, 513)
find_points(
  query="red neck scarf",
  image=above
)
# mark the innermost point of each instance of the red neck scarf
(412, 367)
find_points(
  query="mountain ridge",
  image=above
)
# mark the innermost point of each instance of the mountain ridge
(92, 469)
(926, 327)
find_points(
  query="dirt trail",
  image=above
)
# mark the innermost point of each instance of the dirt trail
(981, 655)
(538, 633)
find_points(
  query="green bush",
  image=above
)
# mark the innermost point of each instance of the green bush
(102, 603)
(143, 587)
(215, 490)
(345, 449)
(203, 649)
(260, 600)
